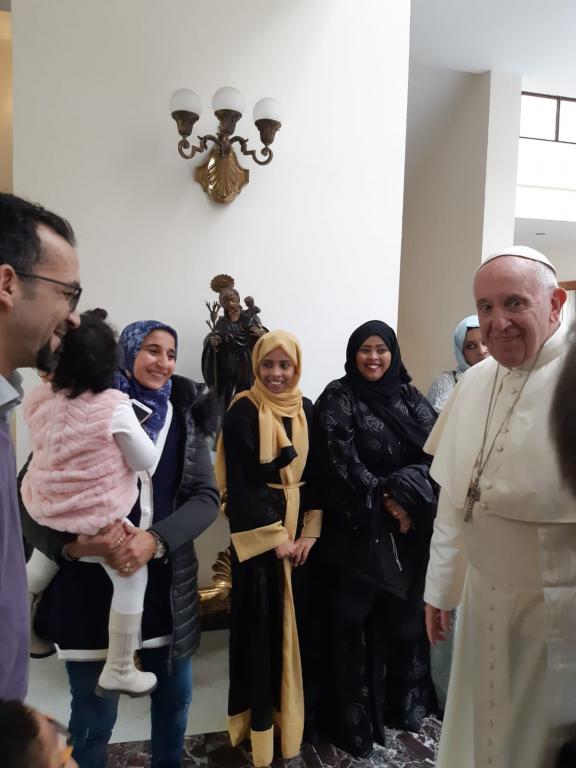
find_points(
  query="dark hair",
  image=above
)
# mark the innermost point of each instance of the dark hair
(89, 356)
(19, 731)
(20, 246)
(563, 417)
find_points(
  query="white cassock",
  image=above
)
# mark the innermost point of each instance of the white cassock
(512, 569)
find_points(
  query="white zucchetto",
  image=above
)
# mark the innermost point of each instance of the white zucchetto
(522, 251)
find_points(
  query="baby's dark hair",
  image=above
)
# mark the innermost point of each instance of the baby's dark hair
(89, 356)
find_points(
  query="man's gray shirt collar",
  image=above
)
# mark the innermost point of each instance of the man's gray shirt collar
(10, 393)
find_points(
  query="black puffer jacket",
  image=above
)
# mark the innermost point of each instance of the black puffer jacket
(195, 504)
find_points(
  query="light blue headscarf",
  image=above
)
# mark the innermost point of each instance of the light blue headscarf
(459, 336)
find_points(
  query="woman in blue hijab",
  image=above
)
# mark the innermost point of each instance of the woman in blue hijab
(178, 500)
(469, 349)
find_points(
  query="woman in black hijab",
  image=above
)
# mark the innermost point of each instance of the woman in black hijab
(379, 507)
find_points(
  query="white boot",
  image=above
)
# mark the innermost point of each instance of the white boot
(120, 674)
(39, 648)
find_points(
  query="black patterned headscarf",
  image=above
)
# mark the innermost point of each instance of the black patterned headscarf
(383, 397)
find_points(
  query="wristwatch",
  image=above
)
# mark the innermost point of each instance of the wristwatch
(160, 550)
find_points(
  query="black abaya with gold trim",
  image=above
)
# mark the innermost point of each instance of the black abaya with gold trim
(265, 669)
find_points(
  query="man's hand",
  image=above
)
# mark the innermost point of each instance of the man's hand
(215, 340)
(137, 551)
(106, 543)
(284, 550)
(302, 547)
(438, 623)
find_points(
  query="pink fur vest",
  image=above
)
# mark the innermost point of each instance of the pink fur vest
(77, 480)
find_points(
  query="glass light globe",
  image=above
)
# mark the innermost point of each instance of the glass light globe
(228, 98)
(267, 109)
(185, 100)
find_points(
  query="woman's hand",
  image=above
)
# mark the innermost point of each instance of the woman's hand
(398, 513)
(137, 551)
(302, 547)
(284, 550)
(106, 543)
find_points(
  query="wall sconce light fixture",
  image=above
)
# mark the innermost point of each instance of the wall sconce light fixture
(222, 176)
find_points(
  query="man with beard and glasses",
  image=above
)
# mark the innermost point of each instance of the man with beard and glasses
(39, 293)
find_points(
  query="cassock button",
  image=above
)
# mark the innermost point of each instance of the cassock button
(513, 391)
(490, 627)
(491, 647)
(491, 606)
(489, 761)
(491, 666)
(488, 485)
(491, 705)
(491, 723)
(484, 505)
(376, 541)
(499, 448)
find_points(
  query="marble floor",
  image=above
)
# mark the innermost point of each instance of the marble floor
(207, 745)
(213, 750)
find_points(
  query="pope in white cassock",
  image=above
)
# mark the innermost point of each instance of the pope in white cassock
(504, 543)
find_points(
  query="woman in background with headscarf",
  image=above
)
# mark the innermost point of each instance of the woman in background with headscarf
(261, 467)
(469, 349)
(379, 506)
(177, 501)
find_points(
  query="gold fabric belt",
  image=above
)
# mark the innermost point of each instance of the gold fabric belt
(285, 486)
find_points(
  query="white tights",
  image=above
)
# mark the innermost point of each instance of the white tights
(128, 595)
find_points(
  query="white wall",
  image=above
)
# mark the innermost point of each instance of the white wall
(458, 203)
(501, 161)
(315, 237)
(5, 102)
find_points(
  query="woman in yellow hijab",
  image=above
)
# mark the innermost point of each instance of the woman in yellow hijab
(261, 465)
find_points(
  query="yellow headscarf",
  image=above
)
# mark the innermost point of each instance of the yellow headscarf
(273, 439)
(272, 408)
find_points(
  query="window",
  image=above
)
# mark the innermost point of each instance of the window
(548, 118)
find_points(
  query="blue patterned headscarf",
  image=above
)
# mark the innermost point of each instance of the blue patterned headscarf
(129, 344)
(460, 337)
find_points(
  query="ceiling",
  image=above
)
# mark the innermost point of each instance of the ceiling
(531, 38)
(527, 37)
(557, 241)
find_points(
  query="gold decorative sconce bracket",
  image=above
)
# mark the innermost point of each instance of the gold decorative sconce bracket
(221, 176)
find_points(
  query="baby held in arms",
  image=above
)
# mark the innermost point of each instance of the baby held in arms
(87, 446)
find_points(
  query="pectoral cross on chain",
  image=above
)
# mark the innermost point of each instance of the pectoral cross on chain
(472, 497)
